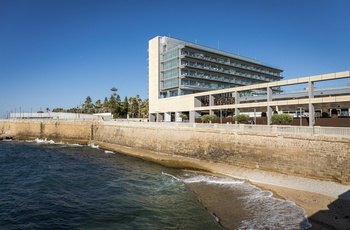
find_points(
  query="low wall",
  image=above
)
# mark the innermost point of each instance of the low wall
(318, 157)
(58, 130)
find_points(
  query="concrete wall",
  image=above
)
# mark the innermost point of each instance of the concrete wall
(324, 158)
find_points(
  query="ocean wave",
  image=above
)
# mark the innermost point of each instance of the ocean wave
(263, 210)
(269, 212)
(198, 178)
(211, 180)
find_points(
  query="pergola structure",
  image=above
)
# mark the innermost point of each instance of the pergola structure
(244, 99)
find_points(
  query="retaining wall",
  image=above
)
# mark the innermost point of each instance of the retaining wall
(318, 157)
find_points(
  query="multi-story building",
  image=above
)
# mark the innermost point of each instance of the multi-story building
(177, 67)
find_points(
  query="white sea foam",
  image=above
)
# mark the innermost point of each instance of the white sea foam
(92, 145)
(172, 176)
(109, 152)
(7, 140)
(269, 212)
(197, 178)
(44, 141)
(78, 145)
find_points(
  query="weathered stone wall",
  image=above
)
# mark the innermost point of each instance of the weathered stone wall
(51, 129)
(324, 158)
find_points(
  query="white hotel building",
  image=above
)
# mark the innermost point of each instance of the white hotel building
(188, 78)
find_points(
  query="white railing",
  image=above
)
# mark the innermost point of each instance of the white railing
(272, 129)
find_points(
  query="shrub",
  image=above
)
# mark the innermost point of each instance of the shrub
(208, 118)
(183, 116)
(325, 114)
(282, 119)
(241, 118)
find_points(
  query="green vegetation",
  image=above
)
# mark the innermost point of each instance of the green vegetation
(135, 107)
(208, 118)
(241, 118)
(325, 115)
(283, 118)
(183, 117)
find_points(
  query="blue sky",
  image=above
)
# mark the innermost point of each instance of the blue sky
(55, 53)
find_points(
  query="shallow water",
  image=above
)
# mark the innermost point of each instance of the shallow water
(45, 185)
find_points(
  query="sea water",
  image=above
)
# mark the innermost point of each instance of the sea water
(48, 185)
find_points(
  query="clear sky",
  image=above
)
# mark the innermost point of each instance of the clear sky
(55, 53)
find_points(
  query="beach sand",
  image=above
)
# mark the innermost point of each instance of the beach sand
(327, 204)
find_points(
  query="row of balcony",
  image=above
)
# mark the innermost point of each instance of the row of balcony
(206, 85)
(228, 71)
(218, 78)
(228, 62)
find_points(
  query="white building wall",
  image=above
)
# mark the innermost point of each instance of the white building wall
(153, 74)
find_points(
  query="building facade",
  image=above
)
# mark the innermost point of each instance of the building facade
(177, 67)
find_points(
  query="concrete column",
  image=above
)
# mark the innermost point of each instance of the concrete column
(269, 115)
(167, 117)
(211, 100)
(236, 95)
(237, 101)
(197, 102)
(193, 115)
(152, 117)
(269, 93)
(237, 112)
(311, 114)
(269, 109)
(159, 117)
(311, 89)
(177, 117)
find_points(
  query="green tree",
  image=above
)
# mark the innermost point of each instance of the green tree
(208, 118)
(56, 110)
(105, 103)
(144, 108)
(98, 104)
(135, 106)
(88, 106)
(283, 118)
(124, 107)
(241, 118)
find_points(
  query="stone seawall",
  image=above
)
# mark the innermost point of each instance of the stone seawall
(323, 158)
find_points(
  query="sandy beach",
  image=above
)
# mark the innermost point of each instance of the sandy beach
(327, 204)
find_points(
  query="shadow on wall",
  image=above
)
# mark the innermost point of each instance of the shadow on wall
(336, 217)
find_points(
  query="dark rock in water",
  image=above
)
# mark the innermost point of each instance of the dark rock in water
(5, 137)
